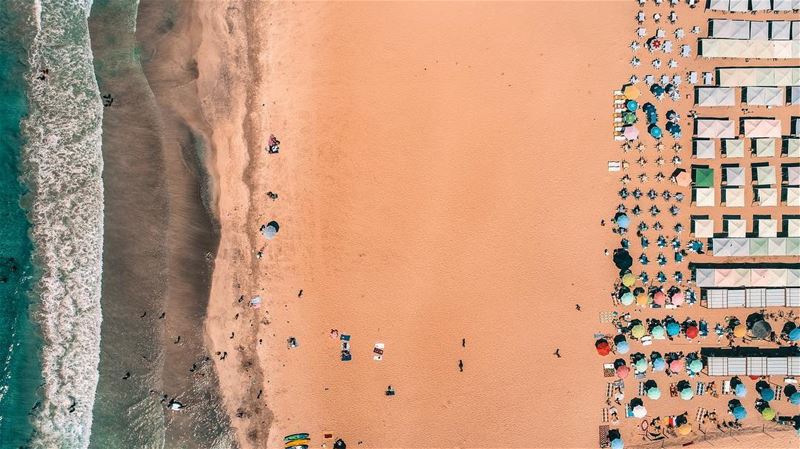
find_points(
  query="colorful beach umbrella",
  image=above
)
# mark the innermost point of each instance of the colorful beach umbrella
(630, 132)
(768, 414)
(695, 366)
(638, 331)
(657, 90)
(767, 394)
(676, 365)
(692, 331)
(740, 331)
(687, 394)
(683, 178)
(631, 105)
(794, 335)
(654, 131)
(795, 398)
(659, 364)
(677, 299)
(739, 412)
(630, 92)
(673, 328)
(616, 443)
(660, 298)
(628, 279)
(684, 429)
(623, 222)
(642, 300)
(626, 299)
(740, 390)
(639, 411)
(654, 393)
(640, 365)
(628, 118)
(657, 331)
(623, 371)
(623, 347)
(602, 346)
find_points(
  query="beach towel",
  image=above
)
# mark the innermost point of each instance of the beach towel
(603, 436)
(726, 387)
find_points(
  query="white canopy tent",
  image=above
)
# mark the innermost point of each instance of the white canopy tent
(780, 30)
(724, 298)
(737, 228)
(729, 29)
(765, 176)
(782, 5)
(715, 96)
(760, 5)
(704, 149)
(793, 227)
(733, 148)
(767, 227)
(753, 366)
(764, 147)
(758, 76)
(793, 196)
(715, 128)
(796, 23)
(792, 146)
(703, 228)
(719, 5)
(734, 197)
(752, 48)
(777, 246)
(792, 175)
(739, 5)
(725, 247)
(764, 96)
(704, 197)
(734, 176)
(794, 94)
(759, 30)
(767, 197)
(762, 127)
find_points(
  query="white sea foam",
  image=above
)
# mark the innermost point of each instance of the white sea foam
(63, 165)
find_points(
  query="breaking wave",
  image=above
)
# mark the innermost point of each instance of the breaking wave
(63, 167)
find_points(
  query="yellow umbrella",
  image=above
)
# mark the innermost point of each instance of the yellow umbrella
(685, 429)
(739, 331)
(628, 279)
(631, 92)
(642, 299)
(637, 331)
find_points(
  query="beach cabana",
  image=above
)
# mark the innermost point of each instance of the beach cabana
(733, 197)
(729, 29)
(704, 148)
(764, 147)
(791, 175)
(734, 176)
(714, 128)
(733, 148)
(715, 96)
(792, 227)
(792, 196)
(727, 247)
(794, 93)
(780, 30)
(736, 228)
(759, 30)
(791, 146)
(784, 5)
(764, 96)
(760, 5)
(703, 228)
(719, 5)
(755, 128)
(704, 197)
(767, 227)
(765, 175)
(758, 76)
(767, 197)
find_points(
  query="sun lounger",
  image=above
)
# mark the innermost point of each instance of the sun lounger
(701, 389)
(700, 414)
(628, 411)
(726, 387)
(605, 414)
(377, 351)
(790, 380)
(647, 341)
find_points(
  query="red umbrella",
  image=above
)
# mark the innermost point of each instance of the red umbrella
(603, 348)
(660, 298)
(692, 331)
(623, 371)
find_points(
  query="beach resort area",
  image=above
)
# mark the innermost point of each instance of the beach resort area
(255, 224)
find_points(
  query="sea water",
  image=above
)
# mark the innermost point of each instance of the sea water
(19, 342)
(62, 166)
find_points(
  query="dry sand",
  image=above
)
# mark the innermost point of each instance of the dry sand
(442, 175)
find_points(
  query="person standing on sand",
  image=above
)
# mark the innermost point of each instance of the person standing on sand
(578, 307)
(461, 366)
(463, 342)
(557, 353)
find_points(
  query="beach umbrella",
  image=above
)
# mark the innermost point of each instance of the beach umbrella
(671, 114)
(753, 318)
(602, 346)
(692, 332)
(685, 429)
(619, 362)
(623, 371)
(740, 390)
(648, 107)
(659, 364)
(623, 347)
(630, 132)
(674, 129)
(794, 335)
(626, 299)
(795, 398)
(767, 394)
(676, 365)
(616, 443)
(695, 366)
(683, 178)
(654, 131)
(677, 298)
(654, 393)
(687, 394)
(270, 229)
(630, 92)
(660, 298)
(642, 299)
(638, 331)
(639, 411)
(628, 118)
(622, 220)
(640, 365)
(657, 331)
(657, 90)
(740, 331)
(673, 328)
(631, 105)
(761, 330)
(652, 117)
(739, 412)
(768, 414)
(789, 390)
(622, 259)
(628, 279)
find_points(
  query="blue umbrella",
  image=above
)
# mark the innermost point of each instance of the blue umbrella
(652, 117)
(655, 131)
(648, 107)
(739, 412)
(740, 390)
(632, 105)
(616, 443)
(767, 394)
(675, 129)
(673, 328)
(622, 347)
(795, 398)
(657, 90)
(794, 335)
(659, 364)
(671, 114)
(623, 221)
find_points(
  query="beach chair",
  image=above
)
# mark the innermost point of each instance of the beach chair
(726, 387)
(790, 380)
(778, 392)
(701, 412)
(628, 411)
(701, 389)
(605, 414)
(673, 390)
(610, 389)
(647, 341)
(641, 389)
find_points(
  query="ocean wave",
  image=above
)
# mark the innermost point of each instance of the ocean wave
(63, 165)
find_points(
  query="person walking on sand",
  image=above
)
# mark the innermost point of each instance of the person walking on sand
(557, 353)
(578, 307)
(463, 342)
(461, 366)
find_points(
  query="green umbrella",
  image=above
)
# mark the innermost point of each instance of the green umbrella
(704, 177)
(629, 118)
(759, 247)
(657, 331)
(641, 365)
(686, 394)
(768, 414)
(654, 393)
(696, 366)
(638, 331)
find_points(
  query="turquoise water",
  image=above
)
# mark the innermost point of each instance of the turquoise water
(19, 342)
